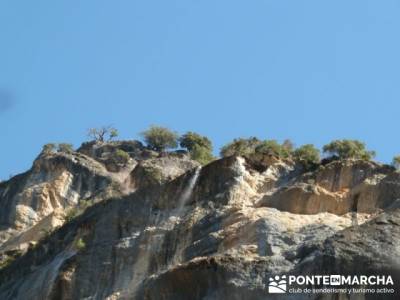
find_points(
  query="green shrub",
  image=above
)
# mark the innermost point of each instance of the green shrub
(160, 138)
(48, 148)
(307, 154)
(61, 147)
(66, 148)
(7, 261)
(199, 147)
(80, 244)
(71, 214)
(201, 154)
(396, 161)
(272, 147)
(345, 149)
(113, 133)
(121, 157)
(240, 146)
(288, 145)
(191, 139)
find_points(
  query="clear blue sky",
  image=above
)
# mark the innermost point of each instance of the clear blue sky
(311, 71)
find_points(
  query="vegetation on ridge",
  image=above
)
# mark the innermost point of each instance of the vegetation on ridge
(308, 155)
(396, 161)
(200, 148)
(273, 148)
(160, 138)
(345, 149)
(102, 134)
(61, 147)
(240, 146)
(120, 157)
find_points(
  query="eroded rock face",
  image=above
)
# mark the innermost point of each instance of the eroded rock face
(217, 232)
(157, 171)
(370, 249)
(339, 187)
(339, 175)
(58, 182)
(353, 251)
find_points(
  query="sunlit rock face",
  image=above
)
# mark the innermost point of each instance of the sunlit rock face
(337, 188)
(175, 230)
(59, 182)
(55, 182)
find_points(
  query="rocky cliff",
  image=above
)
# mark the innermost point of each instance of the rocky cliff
(163, 227)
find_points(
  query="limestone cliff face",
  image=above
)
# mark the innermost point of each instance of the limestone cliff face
(165, 228)
(36, 202)
(55, 182)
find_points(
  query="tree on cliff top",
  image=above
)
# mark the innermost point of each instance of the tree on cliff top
(65, 147)
(49, 148)
(345, 149)
(272, 147)
(198, 146)
(396, 162)
(240, 146)
(160, 138)
(61, 147)
(307, 154)
(102, 134)
(191, 139)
